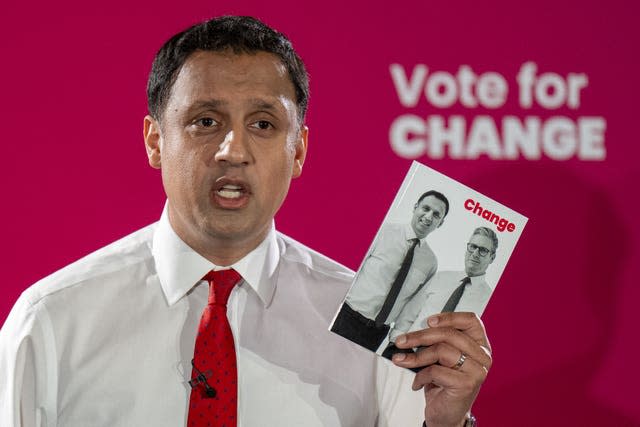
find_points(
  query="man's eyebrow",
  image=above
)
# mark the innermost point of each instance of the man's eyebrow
(263, 104)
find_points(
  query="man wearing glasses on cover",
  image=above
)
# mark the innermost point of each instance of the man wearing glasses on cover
(451, 290)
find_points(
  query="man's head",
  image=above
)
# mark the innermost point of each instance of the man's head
(481, 251)
(237, 34)
(225, 129)
(429, 212)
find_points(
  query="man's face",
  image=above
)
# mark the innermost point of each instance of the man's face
(428, 215)
(476, 265)
(228, 144)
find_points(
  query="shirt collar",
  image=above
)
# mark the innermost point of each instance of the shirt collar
(180, 268)
(475, 280)
(409, 234)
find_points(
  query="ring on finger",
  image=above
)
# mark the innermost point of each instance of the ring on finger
(460, 362)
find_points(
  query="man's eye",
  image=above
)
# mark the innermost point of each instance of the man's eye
(206, 122)
(262, 124)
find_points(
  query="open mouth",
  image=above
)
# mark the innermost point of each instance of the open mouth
(230, 191)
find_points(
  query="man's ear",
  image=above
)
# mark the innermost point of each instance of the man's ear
(441, 222)
(152, 141)
(493, 256)
(300, 151)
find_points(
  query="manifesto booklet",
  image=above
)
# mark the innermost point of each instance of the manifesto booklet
(442, 247)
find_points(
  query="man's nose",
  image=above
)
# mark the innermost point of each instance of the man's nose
(234, 148)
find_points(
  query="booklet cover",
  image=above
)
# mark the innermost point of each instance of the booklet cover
(441, 247)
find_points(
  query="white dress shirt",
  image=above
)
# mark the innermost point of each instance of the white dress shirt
(433, 297)
(108, 340)
(380, 267)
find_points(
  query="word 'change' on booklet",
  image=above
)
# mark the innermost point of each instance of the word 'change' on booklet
(441, 247)
(502, 223)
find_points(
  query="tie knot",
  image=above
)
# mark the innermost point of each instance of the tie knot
(466, 280)
(221, 284)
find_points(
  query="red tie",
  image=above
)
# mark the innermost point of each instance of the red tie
(214, 393)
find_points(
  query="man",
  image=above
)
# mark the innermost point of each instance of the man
(452, 290)
(396, 268)
(122, 337)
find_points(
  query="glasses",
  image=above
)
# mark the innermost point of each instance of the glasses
(482, 251)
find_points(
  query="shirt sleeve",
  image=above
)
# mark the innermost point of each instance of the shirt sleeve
(409, 313)
(412, 309)
(398, 404)
(23, 374)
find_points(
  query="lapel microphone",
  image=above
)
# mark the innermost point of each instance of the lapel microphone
(201, 378)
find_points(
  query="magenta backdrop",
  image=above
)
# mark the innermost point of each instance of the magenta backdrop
(563, 321)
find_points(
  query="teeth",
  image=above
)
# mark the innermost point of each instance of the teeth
(229, 193)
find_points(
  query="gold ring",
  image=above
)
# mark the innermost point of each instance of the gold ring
(460, 362)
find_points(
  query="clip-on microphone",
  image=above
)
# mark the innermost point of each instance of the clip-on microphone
(201, 378)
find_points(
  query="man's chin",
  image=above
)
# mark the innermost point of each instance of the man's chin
(235, 232)
(421, 234)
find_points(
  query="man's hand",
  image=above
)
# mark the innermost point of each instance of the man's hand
(449, 386)
(392, 349)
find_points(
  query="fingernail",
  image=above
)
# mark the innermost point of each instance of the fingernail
(433, 320)
(401, 339)
(399, 357)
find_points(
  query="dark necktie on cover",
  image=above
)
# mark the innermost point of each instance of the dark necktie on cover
(454, 299)
(215, 356)
(381, 318)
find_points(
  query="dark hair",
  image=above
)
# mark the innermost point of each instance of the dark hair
(239, 34)
(438, 195)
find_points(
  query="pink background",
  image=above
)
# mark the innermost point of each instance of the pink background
(563, 321)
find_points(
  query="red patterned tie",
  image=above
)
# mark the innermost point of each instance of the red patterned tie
(214, 393)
